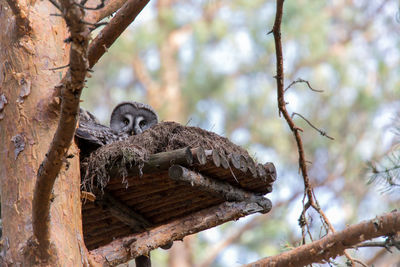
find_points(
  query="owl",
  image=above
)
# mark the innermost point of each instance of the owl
(127, 118)
(132, 118)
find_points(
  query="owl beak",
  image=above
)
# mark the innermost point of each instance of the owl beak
(137, 129)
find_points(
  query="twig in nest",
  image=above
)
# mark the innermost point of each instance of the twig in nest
(323, 133)
(299, 80)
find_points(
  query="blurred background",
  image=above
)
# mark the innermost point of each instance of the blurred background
(211, 64)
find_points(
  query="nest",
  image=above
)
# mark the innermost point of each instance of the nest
(163, 137)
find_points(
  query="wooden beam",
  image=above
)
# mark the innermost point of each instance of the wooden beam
(218, 188)
(123, 212)
(159, 162)
(124, 249)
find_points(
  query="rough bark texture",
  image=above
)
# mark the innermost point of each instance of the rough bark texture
(334, 244)
(26, 130)
(110, 6)
(70, 90)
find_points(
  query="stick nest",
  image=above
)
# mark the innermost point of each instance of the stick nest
(165, 136)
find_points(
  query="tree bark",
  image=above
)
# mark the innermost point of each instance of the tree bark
(334, 244)
(29, 121)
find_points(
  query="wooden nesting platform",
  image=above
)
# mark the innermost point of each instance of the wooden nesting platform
(176, 186)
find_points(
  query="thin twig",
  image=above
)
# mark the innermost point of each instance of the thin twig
(385, 244)
(62, 67)
(299, 80)
(323, 133)
(56, 4)
(94, 24)
(282, 103)
(99, 6)
(110, 7)
(386, 170)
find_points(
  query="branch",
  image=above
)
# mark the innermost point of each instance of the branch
(323, 133)
(125, 16)
(335, 244)
(281, 98)
(299, 80)
(110, 6)
(71, 87)
(124, 249)
(308, 190)
(21, 18)
(391, 241)
(282, 106)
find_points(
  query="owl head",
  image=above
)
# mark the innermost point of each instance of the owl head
(132, 118)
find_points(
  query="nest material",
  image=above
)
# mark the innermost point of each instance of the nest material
(165, 136)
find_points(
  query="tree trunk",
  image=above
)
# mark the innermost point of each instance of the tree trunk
(29, 111)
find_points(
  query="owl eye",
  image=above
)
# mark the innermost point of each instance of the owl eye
(126, 121)
(142, 123)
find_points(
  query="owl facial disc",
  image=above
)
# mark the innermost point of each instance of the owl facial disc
(132, 118)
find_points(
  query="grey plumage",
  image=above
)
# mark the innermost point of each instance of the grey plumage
(132, 118)
(127, 118)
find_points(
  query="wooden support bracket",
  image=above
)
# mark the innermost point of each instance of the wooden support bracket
(123, 249)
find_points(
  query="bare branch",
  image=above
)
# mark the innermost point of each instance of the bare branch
(70, 88)
(334, 244)
(22, 20)
(125, 16)
(276, 30)
(308, 190)
(56, 4)
(59, 68)
(323, 133)
(387, 244)
(299, 80)
(110, 6)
